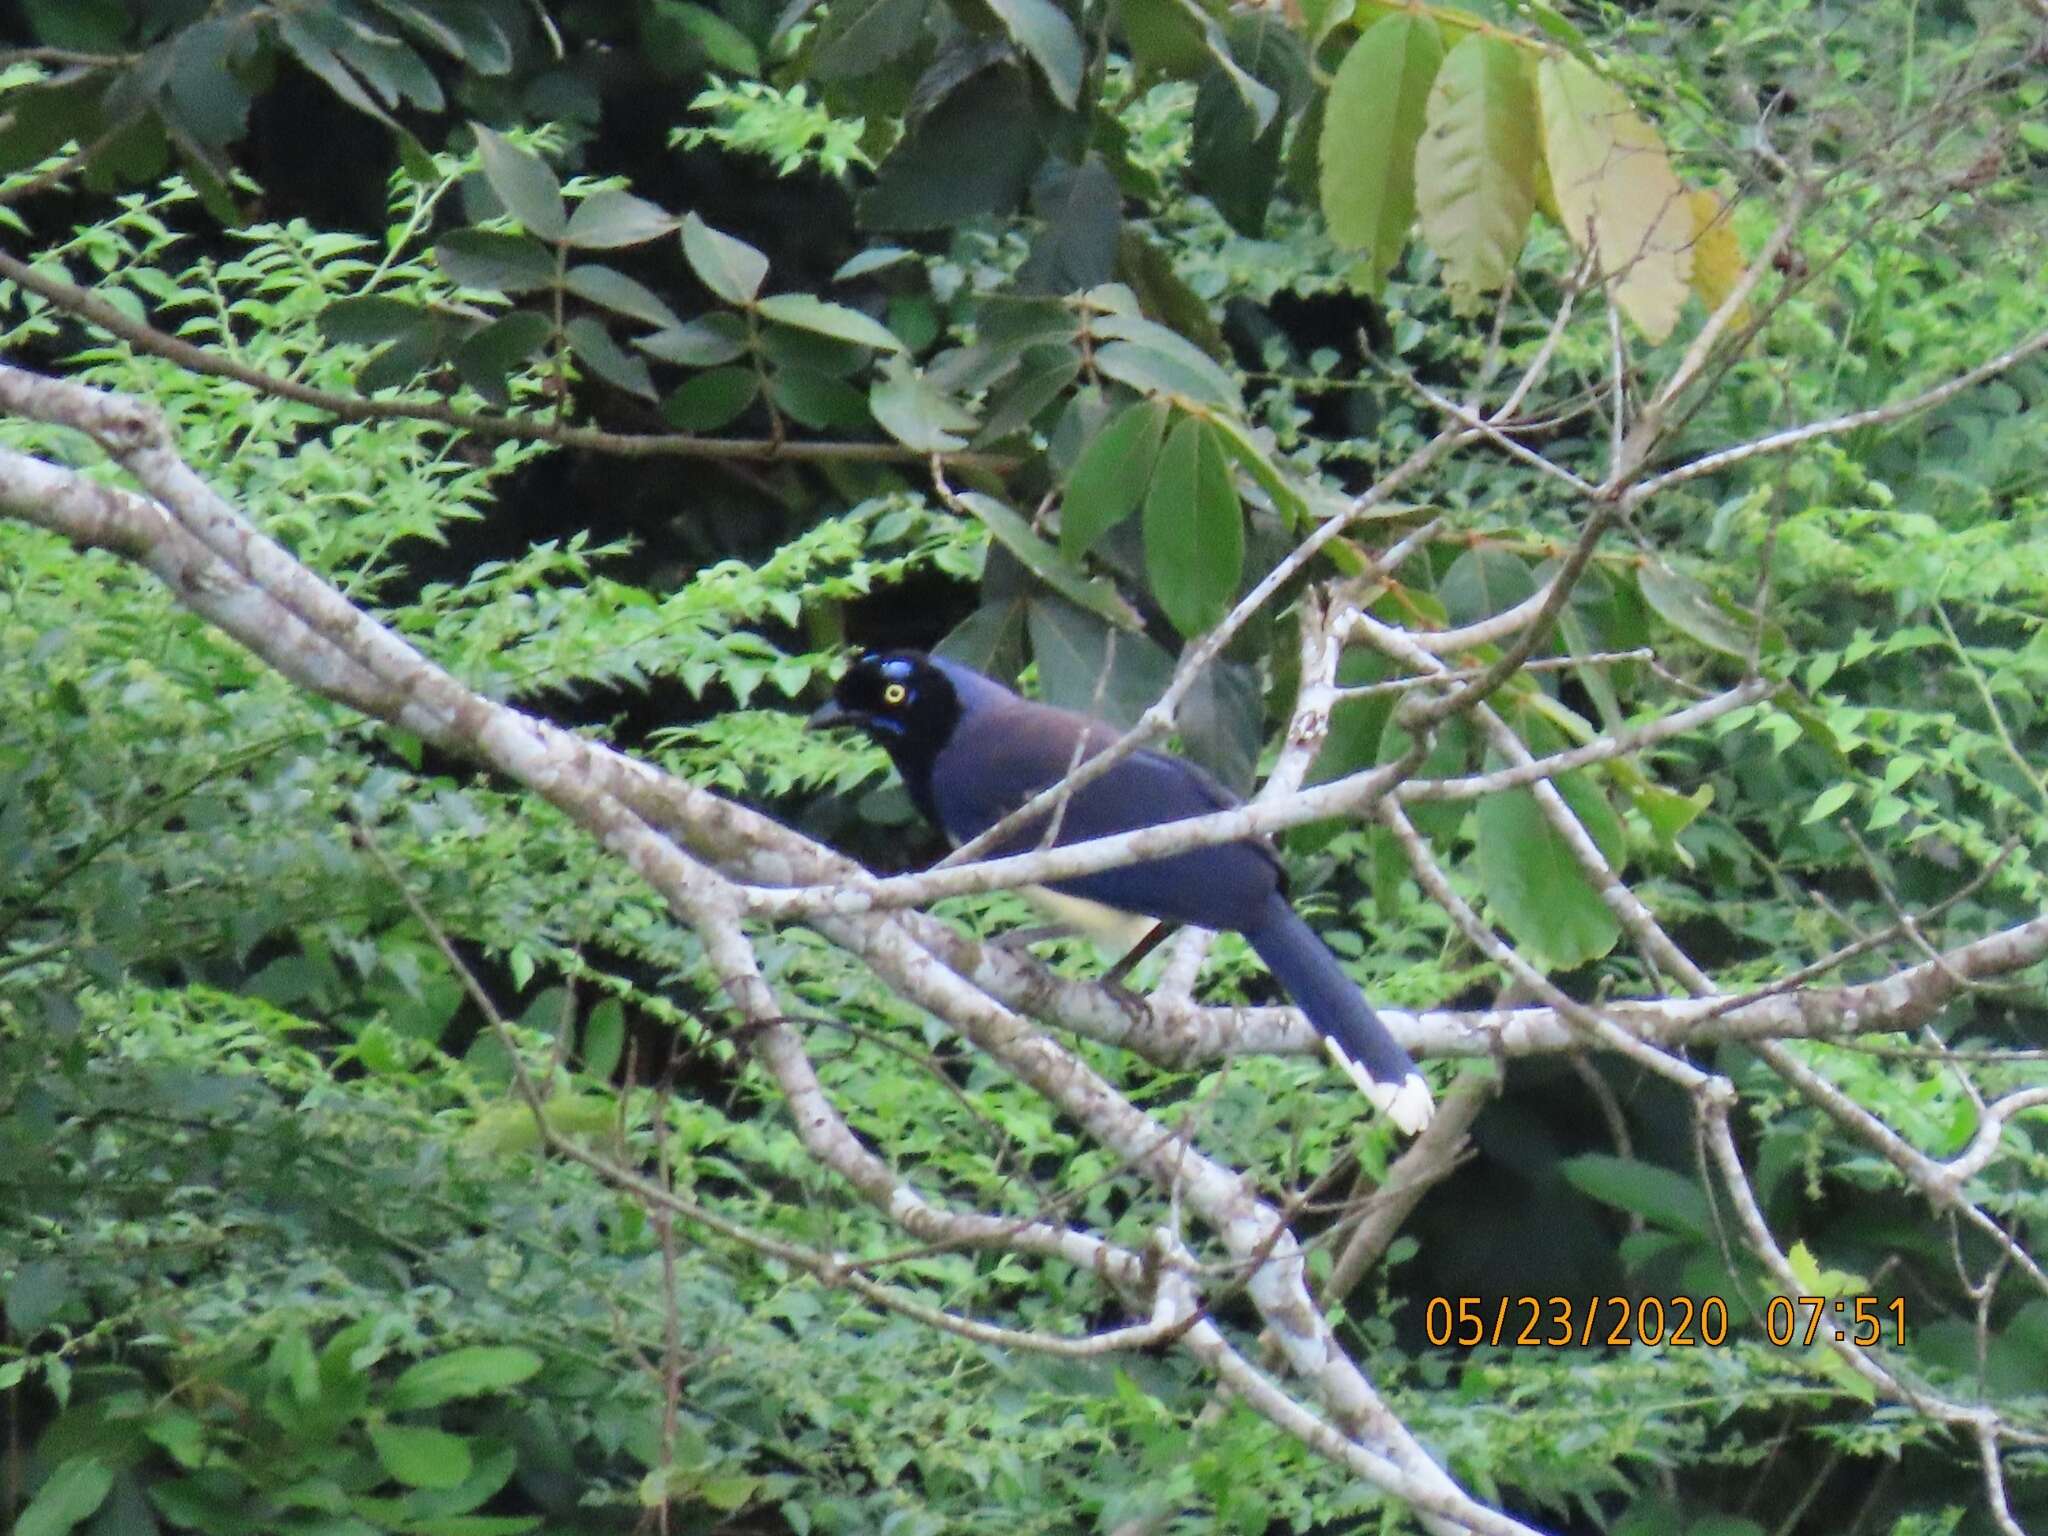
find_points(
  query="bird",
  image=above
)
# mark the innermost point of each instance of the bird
(970, 751)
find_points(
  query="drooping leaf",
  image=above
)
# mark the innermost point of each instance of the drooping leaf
(1616, 193)
(857, 37)
(930, 181)
(209, 98)
(700, 343)
(1080, 209)
(1092, 666)
(1042, 374)
(595, 349)
(1194, 529)
(301, 35)
(1152, 359)
(622, 295)
(711, 399)
(608, 219)
(369, 320)
(466, 32)
(914, 412)
(1372, 125)
(1109, 479)
(1534, 887)
(807, 312)
(1041, 29)
(730, 268)
(1164, 37)
(1045, 562)
(500, 263)
(818, 400)
(1475, 167)
(703, 34)
(1690, 609)
(523, 182)
(495, 350)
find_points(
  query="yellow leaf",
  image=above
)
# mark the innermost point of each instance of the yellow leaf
(1617, 193)
(1475, 169)
(1716, 253)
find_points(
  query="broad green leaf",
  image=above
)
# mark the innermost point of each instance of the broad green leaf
(711, 400)
(1534, 887)
(524, 184)
(1475, 167)
(1254, 456)
(1658, 1195)
(1194, 529)
(915, 413)
(1690, 609)
(730, 268)
(873, 259)
(1827, 802)
(367, 321)
(973, 154)
(1042, 374)
(420, 1457)
(468, 33)
(1670, 813)
(818, 400)
(68, 1497)
(807, 312)
(1044, 562)
(724, 44)
(700, 343)
(472, 1372)
(1097, 668)
(857, 37)
(210, 100)
(1153, 360)
(604, 1038)
(1163, 36)
(620, 294)
(608, 219)
(595, 349)
(1080, 211)
(302, 36)
(498, 263)
(495, 350)
(1372, 124)
(1616, 193)
(1041, 29)
(1110, 477)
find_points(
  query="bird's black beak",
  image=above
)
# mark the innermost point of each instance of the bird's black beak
(831, 713)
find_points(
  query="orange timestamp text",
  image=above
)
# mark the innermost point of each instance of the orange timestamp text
(1559, 1322)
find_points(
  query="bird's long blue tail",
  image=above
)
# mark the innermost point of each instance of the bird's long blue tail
(1350, 1029)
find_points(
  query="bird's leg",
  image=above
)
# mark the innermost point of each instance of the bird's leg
(1114, 976)
(1132, 1004)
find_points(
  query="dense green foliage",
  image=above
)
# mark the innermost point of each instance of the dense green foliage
(277, 1250)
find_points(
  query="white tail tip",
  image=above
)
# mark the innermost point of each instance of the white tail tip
(1406, 1103)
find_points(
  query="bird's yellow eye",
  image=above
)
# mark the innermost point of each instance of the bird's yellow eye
(895, 693)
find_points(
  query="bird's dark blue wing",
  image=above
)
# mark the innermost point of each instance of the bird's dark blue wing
(1001, 757)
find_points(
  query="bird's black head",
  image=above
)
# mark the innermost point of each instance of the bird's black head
(907, 702)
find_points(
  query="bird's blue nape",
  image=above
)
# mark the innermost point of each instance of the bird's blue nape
(974, 691)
